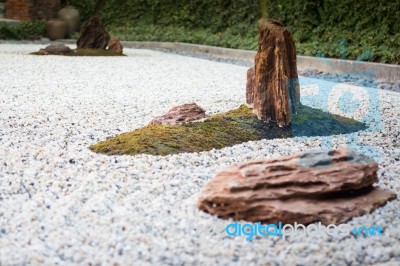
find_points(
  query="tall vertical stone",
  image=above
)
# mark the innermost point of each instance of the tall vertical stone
(93, 35)
(276, 87)
(250, 86)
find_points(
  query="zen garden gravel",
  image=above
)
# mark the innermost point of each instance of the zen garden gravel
(61, 204)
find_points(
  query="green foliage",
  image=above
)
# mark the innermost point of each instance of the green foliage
(230, 37)
(86, 8)
(318, 26)
(223, 130)
(26, 30)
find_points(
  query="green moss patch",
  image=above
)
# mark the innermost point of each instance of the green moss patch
(90, 52)
(223, 130)
(96, 52)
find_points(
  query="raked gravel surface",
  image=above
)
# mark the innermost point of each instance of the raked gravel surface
(61, 204)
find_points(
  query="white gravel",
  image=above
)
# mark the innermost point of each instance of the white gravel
(61, 204)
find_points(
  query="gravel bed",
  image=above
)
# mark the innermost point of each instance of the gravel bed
(346, 77)
(233, 61)
(311, 73)
(61, 204)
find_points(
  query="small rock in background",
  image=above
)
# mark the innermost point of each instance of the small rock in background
(396, 86)
(387, 86)
(331, 187)
(310, 72)
(115, 45)
(349, 79)
(180, 114)
(384, 86)
(93, 35)
(56, 49)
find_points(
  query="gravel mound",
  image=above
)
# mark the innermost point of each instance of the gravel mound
(62, 204)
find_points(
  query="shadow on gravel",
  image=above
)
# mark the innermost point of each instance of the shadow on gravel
(223, 130)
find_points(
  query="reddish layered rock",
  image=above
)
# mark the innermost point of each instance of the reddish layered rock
(331, 187)
(181, 114)
(93, 35)
(56, 49)
(276, 90)
(115, 45)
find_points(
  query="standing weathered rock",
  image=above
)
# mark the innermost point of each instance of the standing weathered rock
(276, 86)
(93, 35)
(250, 86)
(331, 187)
(181, 114)
(115, 45)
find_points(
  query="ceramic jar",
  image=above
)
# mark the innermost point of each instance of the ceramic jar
(70, 15)
(56, 29)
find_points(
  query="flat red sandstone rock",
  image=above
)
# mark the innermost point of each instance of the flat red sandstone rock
(181, 114)
(331, 187)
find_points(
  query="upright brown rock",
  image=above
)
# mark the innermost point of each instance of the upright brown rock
(250, 86)
(115, 45)
(93, 35)
(276, 85)
(331, 187)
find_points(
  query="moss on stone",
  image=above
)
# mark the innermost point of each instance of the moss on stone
(95, 52)
(223, 130)
(90, 52)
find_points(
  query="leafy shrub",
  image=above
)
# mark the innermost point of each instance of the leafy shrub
(29, 30)
(318, 26)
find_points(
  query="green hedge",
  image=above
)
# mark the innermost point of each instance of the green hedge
(30, 30)
(364, 29)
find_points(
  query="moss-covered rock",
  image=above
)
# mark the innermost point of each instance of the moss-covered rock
(223, 130)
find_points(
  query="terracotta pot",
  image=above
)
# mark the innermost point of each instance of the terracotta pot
(71, 16)
(56, 29)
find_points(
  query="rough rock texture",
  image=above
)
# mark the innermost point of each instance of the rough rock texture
(331, 187)
(56, 49)
(180, 114)
(115, 45)
(330, 210)
(250, 86)
(276, 90)
(93, 35)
